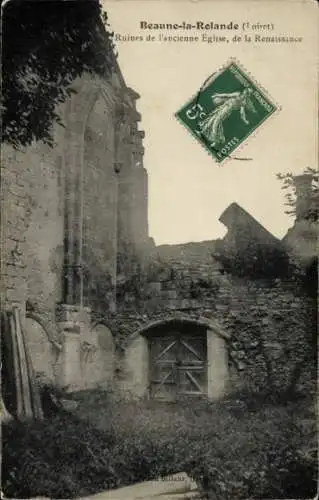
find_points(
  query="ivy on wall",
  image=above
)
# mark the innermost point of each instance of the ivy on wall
(252, 259)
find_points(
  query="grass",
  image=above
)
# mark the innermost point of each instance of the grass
(231, 450)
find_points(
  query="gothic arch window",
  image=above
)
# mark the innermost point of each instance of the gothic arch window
(98, 198)
(99, 128)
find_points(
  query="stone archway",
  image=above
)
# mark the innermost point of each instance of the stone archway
(43, 352)
(177, 357)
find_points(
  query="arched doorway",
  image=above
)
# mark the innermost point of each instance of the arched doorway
(178, 361)
(172, 359)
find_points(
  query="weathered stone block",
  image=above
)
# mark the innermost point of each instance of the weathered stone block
(155, 288)
(169, 294)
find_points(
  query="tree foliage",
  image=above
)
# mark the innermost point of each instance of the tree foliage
(288, 186)
(46, 45)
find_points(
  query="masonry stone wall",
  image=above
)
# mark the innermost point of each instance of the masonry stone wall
(182, 283)
(106, 355)
(133, 238)
(269, 321)
(14, 221)
(32, 245)
(32, 225)
(188, 278)
(62, 210)
(272, 326)
(45, 233)
(33, 239)
(97, 357)
(139, 207)
(133, 375)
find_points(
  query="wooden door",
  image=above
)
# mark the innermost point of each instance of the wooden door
(178, 366)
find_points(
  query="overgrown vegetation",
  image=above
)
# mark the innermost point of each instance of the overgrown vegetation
(45, 46)
(253, 259)
(230, 450)
(288, 186)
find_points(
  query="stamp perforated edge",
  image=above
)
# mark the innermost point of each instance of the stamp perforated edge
(252, 135)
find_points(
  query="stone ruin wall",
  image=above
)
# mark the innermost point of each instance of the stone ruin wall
(41, 206)
(179, 281)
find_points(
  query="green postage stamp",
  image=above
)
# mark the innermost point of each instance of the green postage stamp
(226, 110)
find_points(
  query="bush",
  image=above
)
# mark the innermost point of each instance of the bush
(62, 458)
(65, 457)
(231, 451)
(258, 457)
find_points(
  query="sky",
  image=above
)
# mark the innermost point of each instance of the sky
(188, 191)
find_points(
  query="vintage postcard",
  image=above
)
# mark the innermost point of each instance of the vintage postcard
(159, 224)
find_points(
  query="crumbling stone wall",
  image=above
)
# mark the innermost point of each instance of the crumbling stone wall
(271, 325)
(61, 209)
(268, 320)
(32, 225)
(84, 201)
(32, 244)
(45, 233)
(15, 212)
(32, 239)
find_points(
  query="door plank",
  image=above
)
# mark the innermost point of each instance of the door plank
(166, 349)
(190, 376)
(191, 349)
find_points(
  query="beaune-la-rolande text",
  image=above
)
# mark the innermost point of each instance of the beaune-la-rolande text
(198, 25)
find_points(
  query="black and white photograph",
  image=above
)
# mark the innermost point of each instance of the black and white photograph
(159, 242)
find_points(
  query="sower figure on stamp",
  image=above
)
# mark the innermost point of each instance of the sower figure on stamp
(212, 126)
